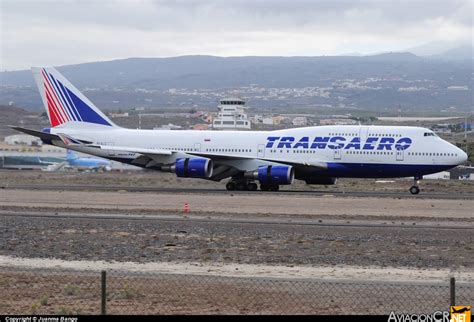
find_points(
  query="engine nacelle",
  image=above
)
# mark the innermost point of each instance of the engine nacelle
(191, 168)
(320, 180)
(279, 174)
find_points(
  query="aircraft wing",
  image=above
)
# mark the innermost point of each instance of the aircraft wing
(217, 159)
(133, 150)
(230, 165)
(153, 157)
(142, 157)
(224, 165)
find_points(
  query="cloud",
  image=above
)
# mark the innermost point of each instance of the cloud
(70, 31)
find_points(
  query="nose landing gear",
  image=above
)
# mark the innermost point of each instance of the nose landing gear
(415, 189)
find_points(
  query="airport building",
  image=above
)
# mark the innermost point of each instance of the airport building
(22, 139)
(231, 114)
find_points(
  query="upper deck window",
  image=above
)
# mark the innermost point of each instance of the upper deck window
(232, 102)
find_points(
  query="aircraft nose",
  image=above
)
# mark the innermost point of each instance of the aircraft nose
(462, 156)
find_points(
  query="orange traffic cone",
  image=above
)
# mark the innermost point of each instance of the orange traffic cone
(186, 208)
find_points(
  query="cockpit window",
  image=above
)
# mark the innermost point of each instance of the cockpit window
(429, 134)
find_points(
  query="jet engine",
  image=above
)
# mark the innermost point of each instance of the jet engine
(275, 174)
(191, 168)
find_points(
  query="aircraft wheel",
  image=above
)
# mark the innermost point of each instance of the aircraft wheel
(274, 187)
(230, 186)
(252, 186)
(264, 187)
(241, 186)
(414, 190)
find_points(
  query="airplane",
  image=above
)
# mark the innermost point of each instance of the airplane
(84, 164)
(317, 155)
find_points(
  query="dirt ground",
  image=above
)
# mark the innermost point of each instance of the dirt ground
(59, 292)
(167, 180)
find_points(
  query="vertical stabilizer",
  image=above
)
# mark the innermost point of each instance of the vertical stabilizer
(65, 103)
(70, 155)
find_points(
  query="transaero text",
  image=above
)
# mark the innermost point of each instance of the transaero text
(338, 142)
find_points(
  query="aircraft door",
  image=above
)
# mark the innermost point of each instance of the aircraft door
(337, 154)
(197, 147)
(261, 151)
(363, 133)
(400, 154)
(111, 153)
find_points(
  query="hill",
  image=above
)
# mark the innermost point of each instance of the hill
(376, 82)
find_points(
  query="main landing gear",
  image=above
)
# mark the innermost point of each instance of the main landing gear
(269, 187)
(415, 189)
(247, 185)
(241, 185)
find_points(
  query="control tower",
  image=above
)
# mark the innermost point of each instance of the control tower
(231, 114)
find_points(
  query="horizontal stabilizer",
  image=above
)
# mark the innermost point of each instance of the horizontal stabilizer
(39, 134)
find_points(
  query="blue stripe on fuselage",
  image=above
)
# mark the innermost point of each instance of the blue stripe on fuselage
(373, 170)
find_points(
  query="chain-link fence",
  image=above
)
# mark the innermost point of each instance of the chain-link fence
(119, 292)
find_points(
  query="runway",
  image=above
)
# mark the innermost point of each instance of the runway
(248, 219)
(262, 204)
(212, 191)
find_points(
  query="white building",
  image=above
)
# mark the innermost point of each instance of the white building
(169, 126)
(443, 175)
(267, 120)
(22, 139)
(300, 121)
(231, 115)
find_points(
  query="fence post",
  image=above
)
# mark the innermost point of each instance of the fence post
(103, 308)
(452, 291)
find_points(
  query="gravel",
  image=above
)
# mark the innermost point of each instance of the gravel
(227, 242)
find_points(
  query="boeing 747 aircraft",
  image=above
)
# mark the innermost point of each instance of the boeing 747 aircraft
(317, 155)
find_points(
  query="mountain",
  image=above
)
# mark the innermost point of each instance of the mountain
(458, 53)
(373, 82)
(214, 72)
(446, 50)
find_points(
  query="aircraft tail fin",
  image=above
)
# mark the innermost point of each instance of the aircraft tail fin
(70, 155)
(64, 103)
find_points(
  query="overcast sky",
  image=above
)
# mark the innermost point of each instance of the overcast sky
(56, 33)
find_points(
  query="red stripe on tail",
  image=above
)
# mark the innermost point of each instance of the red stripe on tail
(52, 113)
(59, 117)
(57, 101)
